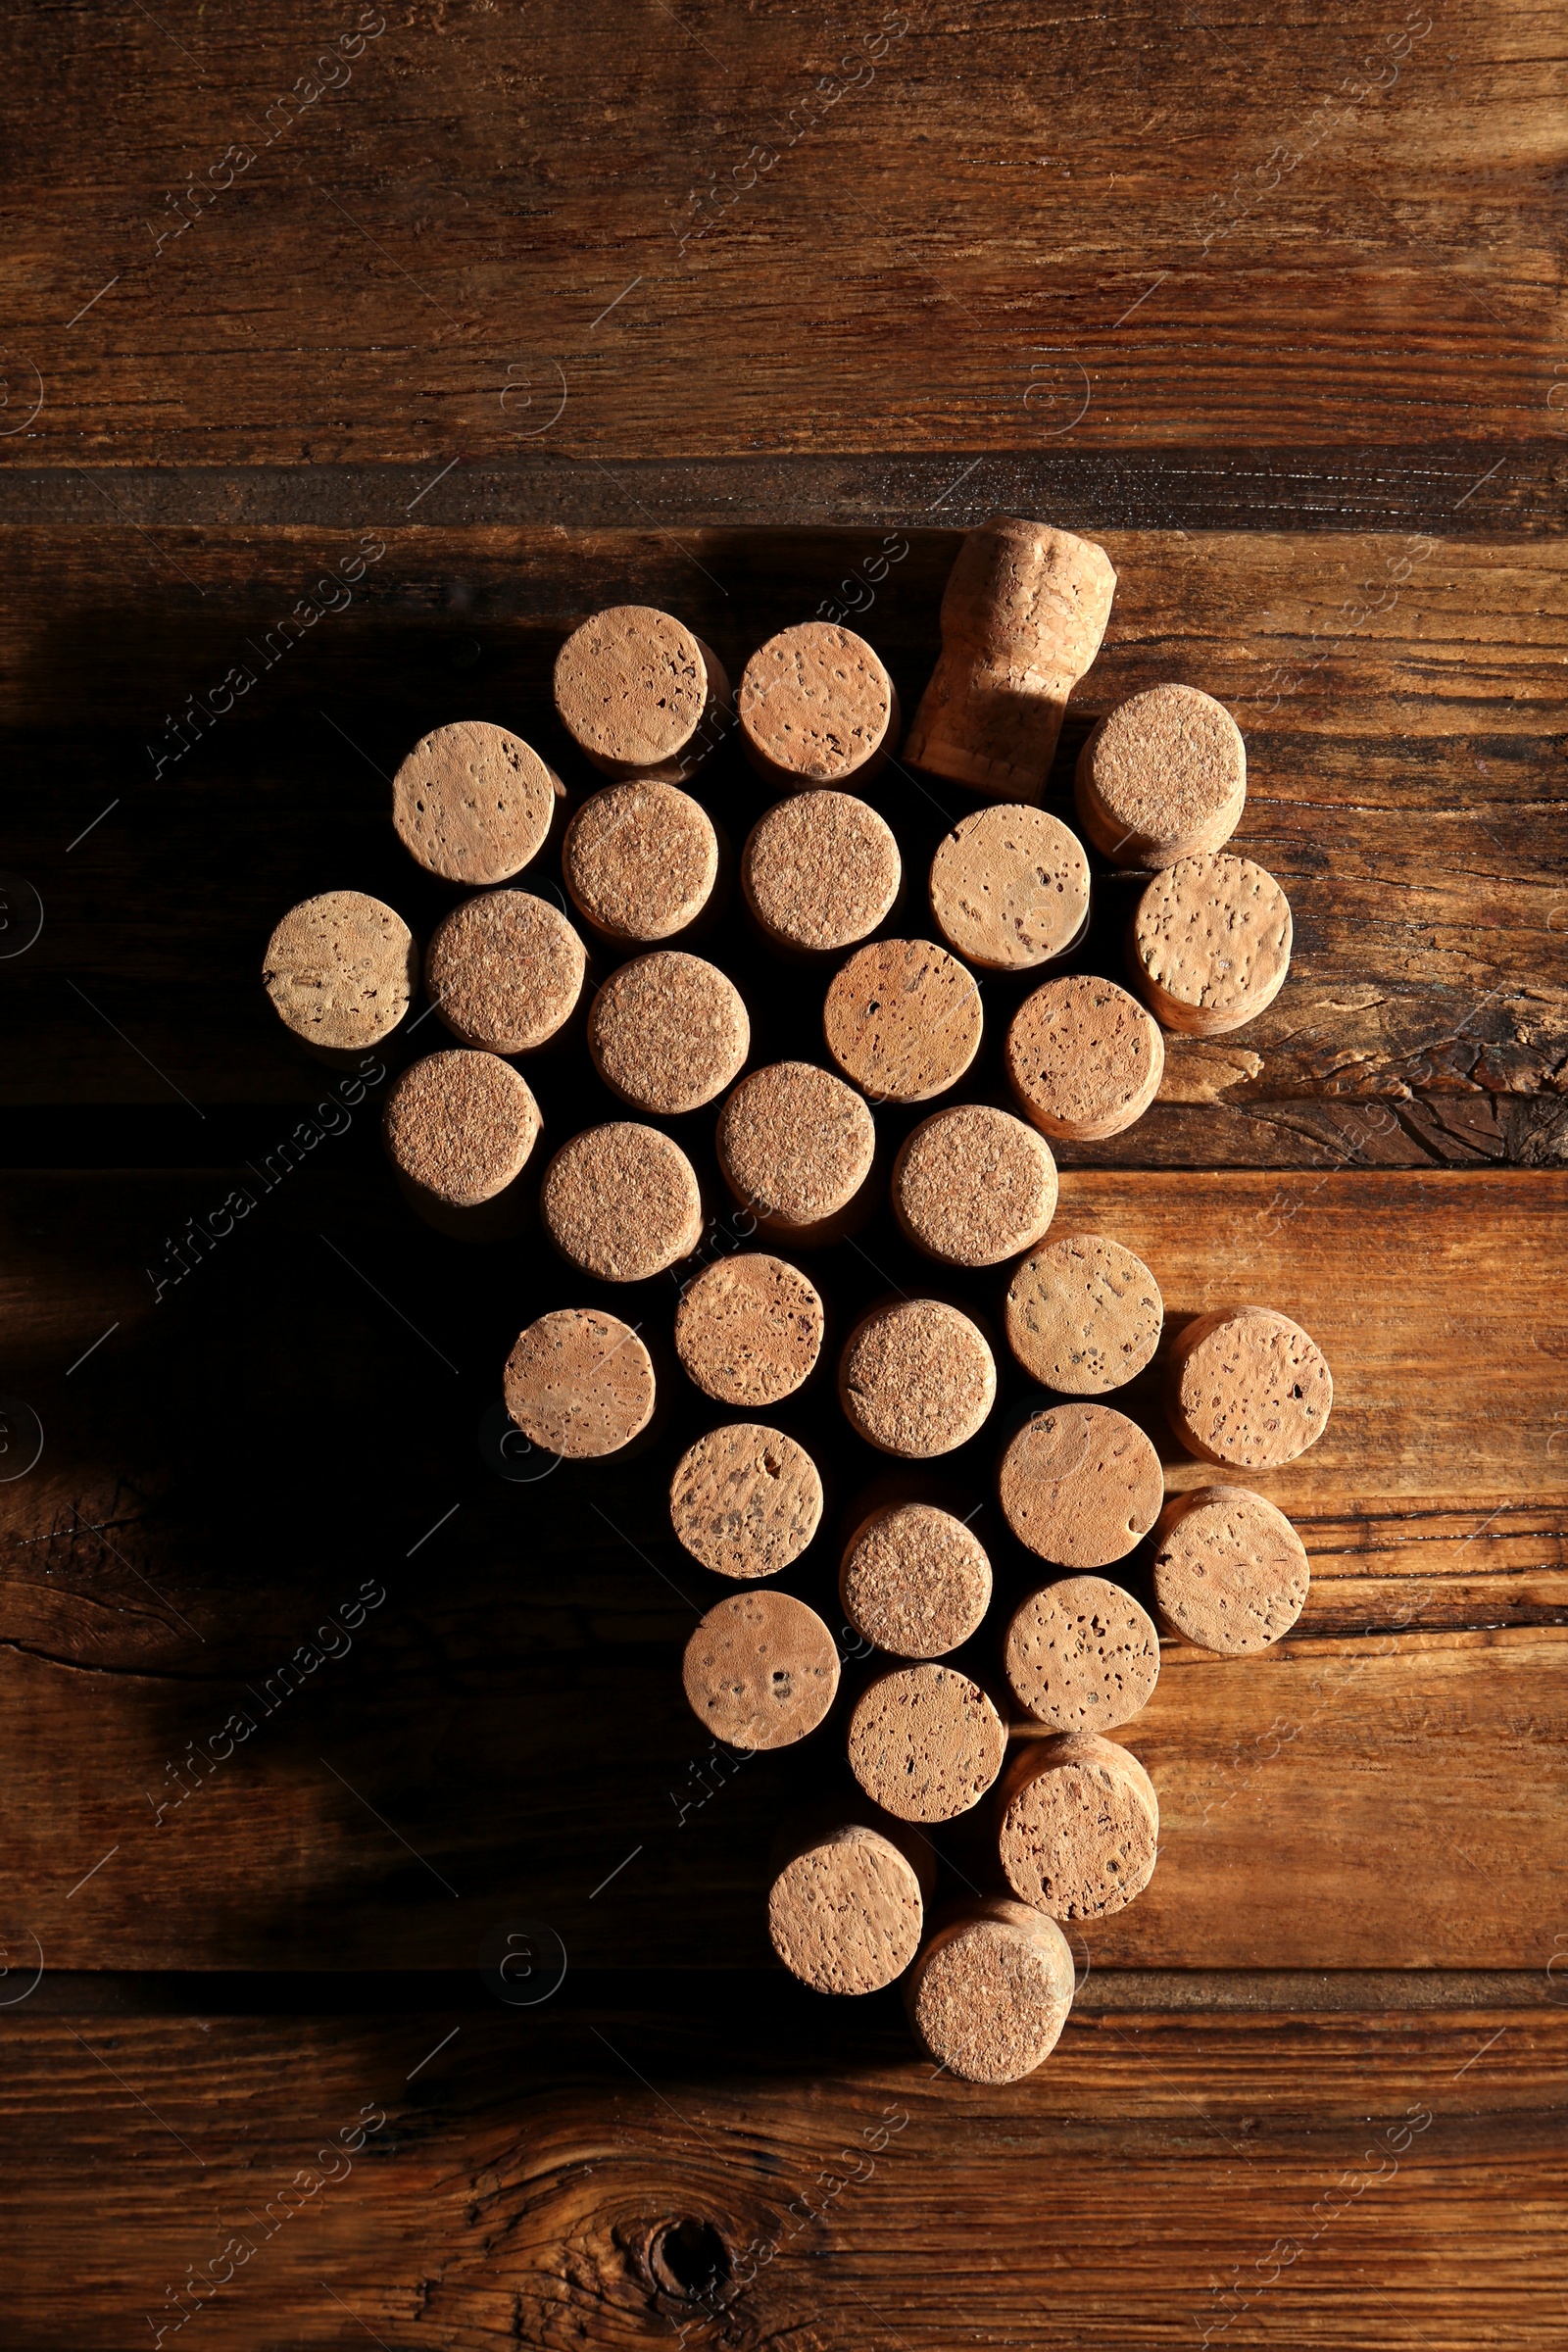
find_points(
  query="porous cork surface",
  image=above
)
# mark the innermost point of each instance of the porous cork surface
(1211, 944)
(992, 1992)
(796, 1145)
(473, 803)
(815, 706)
(916, 1379)
(925, 1743)
(580, 1383)
(341, 970)
(1084, 1059)
(915, 1580)
(846, 1914)
(903, 1019)
(1009, 888)
(819, 871)
(1231, 1573)
(1083, 1314)
(504, 971)
(621, 1201)
(640, 860)
(668, 1032)
(745, 1500)
(1080, 1825)
(1080, 1485)
(748, 1329)
(1246, 1386)
(631, 685)
(973, 1186)
(761, 1670)
(460, 1125)
(1163, 776)
(1082, 1655)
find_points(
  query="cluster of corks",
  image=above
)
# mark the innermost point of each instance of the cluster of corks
(1160, 786)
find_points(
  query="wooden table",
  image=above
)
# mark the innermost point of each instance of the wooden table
(494, 316)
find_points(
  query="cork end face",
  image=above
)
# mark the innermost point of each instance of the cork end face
(504, 971)
(473, 803)
(916, 1379)
(1009, 889)
(1248, 1387)
(1162, 778)
(341, 970)
(745, 1500)
(916, 1581)
(762, 1670)
(1082, 1655)
(1080, 1828)
(815, 707)
(669, 1033)
(846, 1915)
(1084, 1315)
(1081, 1486)
(1084, 1059)
(902, 1021)
(820, 871)
(1211, 943)
(796, 1145)
(631, 687)
(640, 860)
(925, 1743)
(621, 1202)
(992, 1994)
(748, 1331)
(974, 1186)
(580, 1383)
(460, 1126)
(1231, 1574)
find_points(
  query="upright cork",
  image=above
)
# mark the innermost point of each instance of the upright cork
(992, 1992)
(580, 1383)
(745, 1500)
(1009, 888)
(1084, 1315)
(641, 695)
(1248, 1387)
(472, 803)
(1080, 1485)
(816, 707)
(845, 1913)
(796, 1146)
(640, 862)
(762, 1670)
(1084, 1059)
(669, 1033)
(1022, 619)
(459, 1128)
(504, 971)
(1231, 1573)
(819, 871)
(621, 1201)
(1163, 776)
(916, 1379)
(748, 1329)
(902, 1021)
(1079, 1826)
(341, 970)
(915, 1580)
(1211, 943)
(925, 1743)
(973, 1186)
(1082, 1655)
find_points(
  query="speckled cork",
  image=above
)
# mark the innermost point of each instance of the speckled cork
(1211, 943)
(1079, 1826)
(748, 1329)
(1009, 888)
(472, 803)
(1080, 1485)
(580, 1383)
(1082, 1655)
(1248, 1387)
(621, 1201)
(1022, 619)
(745, 1500)
(460, 1125)
(341, 970)
(504, 971)
(761, 1670)
(845, 1914)
(915, 1580)
(640, 860)
(1083, 1314)
(992, 1992)
(640, 693)
(1231, 1573)
(819, 871)
(816, 707)
(903, 1019)
(925, 1743)
(973, 1186)
(1084, 1059)
(669, 1033)
(796, 1145)
(1163, 776)
(916, 1379)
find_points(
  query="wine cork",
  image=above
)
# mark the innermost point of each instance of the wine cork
(504, 971)
(915, 1581)
(1246, 1386)
(341, 970)
(1084, 1315)
(748, 1329)
(1163, 776)
(472, 803)
(621, 1201)
(458, 1127)
(1079, 1826)
(816, 707)
(761, 1670)
(745, 1500)
(1009, 888)
(992, 1992)
(640, 693)
(973, 1186)
(667, 1033)
(1211, 943)
(1022, 619)
(925, 1743)
(819, 871)
(1080, 1485)
(1084, 1059)
(916, 1379)
(1231, 1572)
(845, 1914)
(580, 1383)
(796, 1146)
(640, 860)
(901, 1019)
(1081, 1655)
